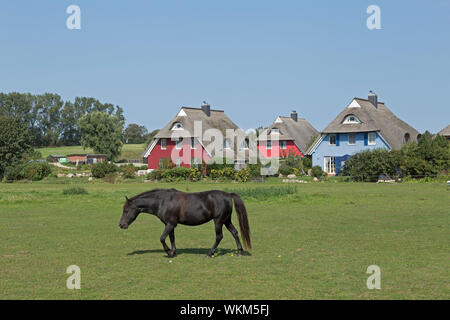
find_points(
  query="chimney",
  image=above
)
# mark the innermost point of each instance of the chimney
(294, 115)
(373, 98)
(206, 108)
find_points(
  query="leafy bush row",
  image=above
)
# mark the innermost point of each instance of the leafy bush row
(33, 171)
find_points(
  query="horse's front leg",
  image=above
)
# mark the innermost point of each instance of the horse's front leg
(167, 230)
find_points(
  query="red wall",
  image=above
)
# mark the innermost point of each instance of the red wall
(277, 152)
(185, 153)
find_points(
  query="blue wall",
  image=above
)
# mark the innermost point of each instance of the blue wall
(342, 150)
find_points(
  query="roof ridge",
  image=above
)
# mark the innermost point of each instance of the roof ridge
(379, 102)
(200, 109)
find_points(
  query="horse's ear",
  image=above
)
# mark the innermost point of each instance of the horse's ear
(128, 200)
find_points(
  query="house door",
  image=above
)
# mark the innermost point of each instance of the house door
(330, 165)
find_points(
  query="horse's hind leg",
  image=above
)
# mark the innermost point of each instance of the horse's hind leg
(219, 236)
(173, 251)
(167, 230)
(235, 235)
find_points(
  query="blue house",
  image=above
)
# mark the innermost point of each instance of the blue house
(362, 125)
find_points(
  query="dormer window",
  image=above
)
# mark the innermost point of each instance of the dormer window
(177, 126)
(351, 119)
(275, 131)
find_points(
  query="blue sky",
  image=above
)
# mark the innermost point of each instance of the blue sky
(254, 59)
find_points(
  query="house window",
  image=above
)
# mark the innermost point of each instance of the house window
(178, 143)
(226, 144)
(333, 139)
(269, 145)
(192, 143)
(177, 126)
(275, 131)
(406, 138)
(196, 162)
(372, 136)
(283, 145)
(163, 144)
(178, 162)
(330, 165)
(244, 144)
(351, 138)
(351, 119)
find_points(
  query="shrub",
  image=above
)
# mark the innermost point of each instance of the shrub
(285, 170)
(13, 173)
(128, 172)
(74, 190)
(194, 174)
(243, 174)
(100, 170)
(317, 172)
(155, 174)
(176, 174)
(36, 170)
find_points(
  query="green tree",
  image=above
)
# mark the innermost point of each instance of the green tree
(15, 143)
(102, 132)
(135, 133)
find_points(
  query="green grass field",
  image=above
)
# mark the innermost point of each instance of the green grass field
(314, 244)
(129, 151)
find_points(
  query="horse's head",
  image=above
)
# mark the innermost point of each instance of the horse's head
(130, 213)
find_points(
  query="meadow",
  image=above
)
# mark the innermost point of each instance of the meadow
(129, 151)
(315, 242)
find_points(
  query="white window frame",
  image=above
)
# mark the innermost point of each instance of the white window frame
(275, 131)
(163, 144)
(354, 138)
(244, 144)
(177, 126)
(283, 145)
(374, 141)
(193, 143)
(329, 165)
(269, 145)
(178, 143)
(226, 144)
(329, 139)
(178, 162)
(351, 121)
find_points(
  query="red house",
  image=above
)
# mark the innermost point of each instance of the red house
(180, 142)
(286, 135)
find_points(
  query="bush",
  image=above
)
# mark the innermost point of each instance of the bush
(176, 174)
(36, 170)
(155, 174)
(13, 173)
(128, 171)
(285, 170)
(194, 174)
(74, 190)
(243, 174)
(100, 170)
(317, 172)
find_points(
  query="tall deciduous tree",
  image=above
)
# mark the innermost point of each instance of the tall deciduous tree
(15, 142)
(135, 133)
(102, 132)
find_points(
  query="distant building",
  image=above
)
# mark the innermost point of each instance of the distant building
(177, 144)
(445, 132)
(86, 158)
(286, 135)
(362, 125)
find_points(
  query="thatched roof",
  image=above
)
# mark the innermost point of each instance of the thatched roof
(380, 119)
(445, 132)
(217, 120)
(301, 131)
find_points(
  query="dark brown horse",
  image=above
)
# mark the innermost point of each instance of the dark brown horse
(174, 207)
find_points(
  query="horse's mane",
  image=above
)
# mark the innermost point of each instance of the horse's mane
(150, 192)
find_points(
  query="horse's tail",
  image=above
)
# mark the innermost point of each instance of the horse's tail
(243, 221)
